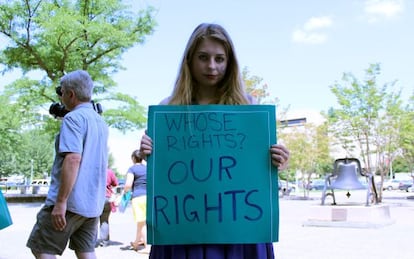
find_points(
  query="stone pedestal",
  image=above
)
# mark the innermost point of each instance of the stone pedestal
(349, 216)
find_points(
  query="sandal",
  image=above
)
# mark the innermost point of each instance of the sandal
(132, 247)
(140, 244)
(128, 247)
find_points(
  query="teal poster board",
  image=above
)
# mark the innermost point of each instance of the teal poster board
(210, 177)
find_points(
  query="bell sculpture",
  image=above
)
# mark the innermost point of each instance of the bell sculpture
(345, 177)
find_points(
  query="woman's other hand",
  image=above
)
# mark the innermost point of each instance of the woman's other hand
(280, 156)
(145, 146)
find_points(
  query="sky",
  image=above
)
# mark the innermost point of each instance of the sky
(298, 47)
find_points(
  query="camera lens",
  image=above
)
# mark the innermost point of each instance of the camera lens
(58, 110)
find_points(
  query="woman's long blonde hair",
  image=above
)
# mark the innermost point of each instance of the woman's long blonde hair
(231, 88)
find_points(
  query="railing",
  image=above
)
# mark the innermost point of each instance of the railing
(24, 188)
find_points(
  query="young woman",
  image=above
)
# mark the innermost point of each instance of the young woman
(136, 182)
(210, 74)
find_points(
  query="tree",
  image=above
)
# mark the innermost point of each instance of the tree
(55, 37)
(19, 144)
(51, 38)
(35, 153)
(255, 88)
(407, 138)
(298, 139)
(388, 139)
(309, 145)
(367, 124)
(10, 125)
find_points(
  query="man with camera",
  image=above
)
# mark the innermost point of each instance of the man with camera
(77, 192)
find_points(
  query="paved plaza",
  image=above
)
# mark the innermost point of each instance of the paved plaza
(296, 241)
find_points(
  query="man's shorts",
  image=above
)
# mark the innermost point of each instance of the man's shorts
(139, 208)
(81, 232)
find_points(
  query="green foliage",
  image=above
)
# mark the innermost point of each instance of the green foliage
(324, 159)
(36, 146)
(20, 144)
(52, 38)
(355, 123)
(401, 164)
(407, 136)
(129, 116)
(47, 39)
(10, 127)
(60, 36)
(309, 146)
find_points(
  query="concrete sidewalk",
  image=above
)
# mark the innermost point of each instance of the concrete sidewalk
(295, 240)
(389, 242)
(13, 238)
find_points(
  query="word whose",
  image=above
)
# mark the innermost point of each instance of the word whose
(207, 207)
(200, 122)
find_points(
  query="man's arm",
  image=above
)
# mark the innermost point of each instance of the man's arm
(68, 177)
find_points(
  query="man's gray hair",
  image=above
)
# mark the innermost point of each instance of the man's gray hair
(80, 82)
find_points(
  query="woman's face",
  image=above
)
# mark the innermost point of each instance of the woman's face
(209, 63)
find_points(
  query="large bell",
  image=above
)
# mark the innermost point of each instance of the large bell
(347, 178)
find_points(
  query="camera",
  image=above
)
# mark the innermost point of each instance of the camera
(59, 110)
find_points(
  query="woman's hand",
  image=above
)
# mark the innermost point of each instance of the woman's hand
(145, 148)
(280, 156)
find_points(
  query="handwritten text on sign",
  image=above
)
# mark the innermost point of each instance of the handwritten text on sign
(210, 177)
